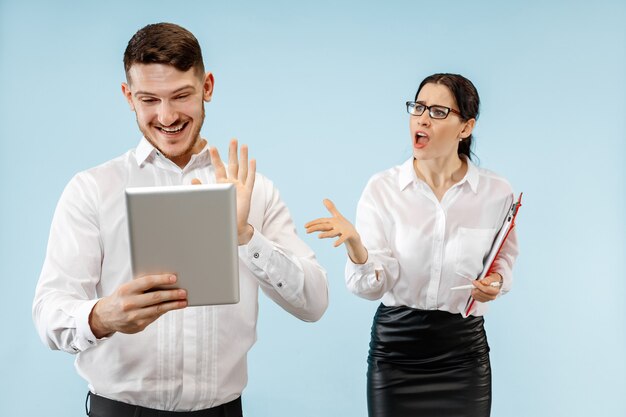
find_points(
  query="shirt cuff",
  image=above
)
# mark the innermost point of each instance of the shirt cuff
(256, 256)
(257, 251)
(366, 270)
(84, 338)
(507, 280)
(274, 268)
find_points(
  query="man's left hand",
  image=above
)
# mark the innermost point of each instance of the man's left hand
(242, 174)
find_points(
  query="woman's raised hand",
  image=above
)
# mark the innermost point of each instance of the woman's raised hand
(335, 226)
(339, 226)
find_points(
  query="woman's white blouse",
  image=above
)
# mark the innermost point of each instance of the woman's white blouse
(421, 247)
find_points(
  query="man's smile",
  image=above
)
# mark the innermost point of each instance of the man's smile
(172, 130)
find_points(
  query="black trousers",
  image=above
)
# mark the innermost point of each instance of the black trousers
(428, 363)
(104, 407)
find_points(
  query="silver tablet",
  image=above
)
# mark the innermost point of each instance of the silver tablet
(188, 230)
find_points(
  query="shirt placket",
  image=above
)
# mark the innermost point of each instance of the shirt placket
(166, 172)
(191, 381)
(194, 170)
(435, 269)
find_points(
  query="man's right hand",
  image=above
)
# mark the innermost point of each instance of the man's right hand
(135, 304)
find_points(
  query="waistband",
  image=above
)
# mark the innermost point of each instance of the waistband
(105, 407)
(420, 337)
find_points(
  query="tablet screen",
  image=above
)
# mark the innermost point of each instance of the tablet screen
(190, 231)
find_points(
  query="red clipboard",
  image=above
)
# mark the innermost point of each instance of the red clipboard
(503, 234)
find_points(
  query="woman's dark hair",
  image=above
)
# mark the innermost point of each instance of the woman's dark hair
(466, 98)
(164, 43)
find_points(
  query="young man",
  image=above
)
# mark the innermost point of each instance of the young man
(136, 358)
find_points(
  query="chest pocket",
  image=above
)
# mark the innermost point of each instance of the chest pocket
(472, 247)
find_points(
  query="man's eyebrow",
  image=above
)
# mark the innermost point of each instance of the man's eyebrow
(178, 90)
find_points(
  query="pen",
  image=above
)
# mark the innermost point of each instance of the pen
(495, 284)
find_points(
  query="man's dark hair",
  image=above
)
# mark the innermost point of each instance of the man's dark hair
(164, 43)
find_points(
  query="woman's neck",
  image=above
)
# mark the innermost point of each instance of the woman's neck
(440, 174)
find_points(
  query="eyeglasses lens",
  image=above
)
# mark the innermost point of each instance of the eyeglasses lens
(437, 112)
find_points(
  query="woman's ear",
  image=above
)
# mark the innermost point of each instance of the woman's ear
(467, 129)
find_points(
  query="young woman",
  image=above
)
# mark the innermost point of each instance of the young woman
(424, 227)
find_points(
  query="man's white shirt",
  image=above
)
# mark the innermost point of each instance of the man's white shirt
(188, 359)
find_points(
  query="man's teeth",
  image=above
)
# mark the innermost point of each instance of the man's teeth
(173, 130)
(421, 134)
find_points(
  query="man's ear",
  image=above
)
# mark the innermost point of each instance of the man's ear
(467, 129)
(207, 87)
(129, 95)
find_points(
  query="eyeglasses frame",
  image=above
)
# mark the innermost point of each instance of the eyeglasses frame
(450, 110)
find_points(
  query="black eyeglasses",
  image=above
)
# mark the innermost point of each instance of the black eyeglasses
(435, 112)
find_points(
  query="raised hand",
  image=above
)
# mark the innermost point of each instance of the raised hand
(136, 304)
(339, 226)
(242, 174)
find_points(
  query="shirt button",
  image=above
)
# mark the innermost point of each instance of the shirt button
(256, 255)
(90, 341)
(279, 285)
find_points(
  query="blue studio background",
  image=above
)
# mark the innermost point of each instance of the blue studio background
(317, 90)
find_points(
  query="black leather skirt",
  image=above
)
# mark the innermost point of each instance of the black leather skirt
(427, 363)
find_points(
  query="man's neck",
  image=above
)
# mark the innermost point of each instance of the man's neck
(183, 160)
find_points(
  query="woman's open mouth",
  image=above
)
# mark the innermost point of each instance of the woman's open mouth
(421, 139)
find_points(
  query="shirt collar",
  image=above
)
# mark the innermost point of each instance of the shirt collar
(143, 151)
(407, 174)
(146, 150)
(472, 176)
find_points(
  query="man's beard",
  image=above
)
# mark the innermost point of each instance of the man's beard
(195, 134)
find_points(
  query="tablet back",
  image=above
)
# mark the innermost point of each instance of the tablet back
(188, 230)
